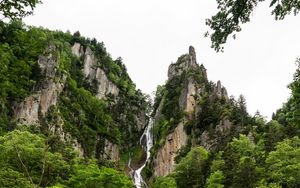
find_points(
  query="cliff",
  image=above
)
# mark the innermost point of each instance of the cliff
(78, 93)
(181, 110)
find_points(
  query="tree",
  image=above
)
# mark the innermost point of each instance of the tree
(190, 172)
(232, 13)
(164, 182)
(242, 109)
(90, 176)
(284, 163)
(273, 133)
(17, 9)
(246, 174)
(27, 155)
(215, 180)
(294, 113)
(241, 156)
(10, 178)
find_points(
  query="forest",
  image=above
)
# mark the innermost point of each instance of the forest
(71, 116)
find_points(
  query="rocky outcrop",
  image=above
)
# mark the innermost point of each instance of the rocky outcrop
(77, 50)
(220, 91)
(78, 147)
(111, 151)
(94, 74)
(45, 93)
(195, 89)
(164, 162)
(141, 120)
(185, 62)
(211, 140)
(187, 99)
(104, 86)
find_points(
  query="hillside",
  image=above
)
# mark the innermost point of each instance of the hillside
(203, 138)
(70, 116)
(66, 90)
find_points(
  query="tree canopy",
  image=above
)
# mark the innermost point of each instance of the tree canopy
(232, 13)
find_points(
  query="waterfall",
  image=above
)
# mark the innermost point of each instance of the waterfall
(138, 179)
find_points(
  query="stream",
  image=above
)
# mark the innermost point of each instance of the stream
(138, 179)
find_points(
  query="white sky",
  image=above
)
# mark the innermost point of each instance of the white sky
(149, 35)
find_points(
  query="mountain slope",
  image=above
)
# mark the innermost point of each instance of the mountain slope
(68, 88)
(203, 138)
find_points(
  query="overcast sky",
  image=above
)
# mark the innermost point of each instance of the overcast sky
(149, 35)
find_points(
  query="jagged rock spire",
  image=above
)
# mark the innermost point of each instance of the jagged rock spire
(192, 55)
(220, 91)
(184, 62)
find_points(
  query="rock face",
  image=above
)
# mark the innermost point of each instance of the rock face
(187, 100)
(164, 162)
(105, 86)
(45, 95)
(77, 50)
(185, 62)
(195, 88)
(220, 91)
(111, 151)
(46, 92)
(94, 74)
(211, 141)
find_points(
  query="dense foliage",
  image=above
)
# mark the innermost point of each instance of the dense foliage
(31, 160)
(242, 164)
(20, 47)
(42, 155)
(254, 153)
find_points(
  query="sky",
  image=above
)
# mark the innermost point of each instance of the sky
(149, 35)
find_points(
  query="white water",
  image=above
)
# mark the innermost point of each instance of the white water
(138, 179)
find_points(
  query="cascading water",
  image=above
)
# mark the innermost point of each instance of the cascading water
(138, 179)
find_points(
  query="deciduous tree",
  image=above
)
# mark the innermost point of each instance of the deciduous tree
(17, 9)
(233, 13)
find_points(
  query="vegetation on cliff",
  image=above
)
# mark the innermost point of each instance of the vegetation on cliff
(254, 153)
(73, 143)
(42, 154)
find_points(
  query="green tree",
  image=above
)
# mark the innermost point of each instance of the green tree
(232, 13)
(164, 182)
(246, 174)
(242, 109)
(17, 9)
(91, 176)
(190, 172)
(240, 159)
(264, 184)
(283, 164)
(273, 133)
(215, 180)
(27, 154)
(294, 113)
(12, 179)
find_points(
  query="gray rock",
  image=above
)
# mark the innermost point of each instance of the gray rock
(185, 62)
(45, 94)
(164, 162)
(220, 91)
(94, 74)
(77, 49)
(105, 86)
(111, 151)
